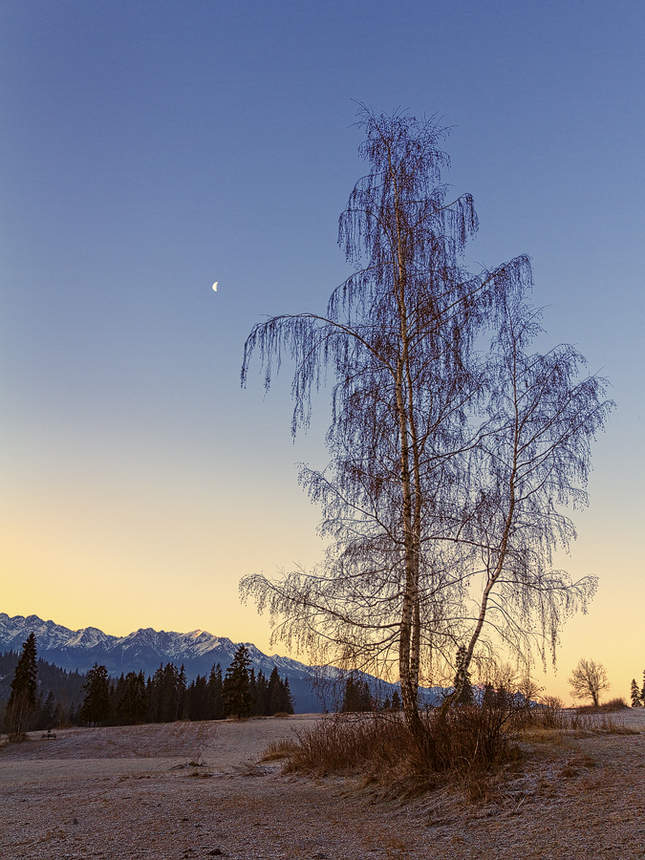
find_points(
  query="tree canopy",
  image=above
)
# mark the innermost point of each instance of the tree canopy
(96, 704)
(588, 680)
(452, 447)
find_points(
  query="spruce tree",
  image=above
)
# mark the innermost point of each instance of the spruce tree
(643, 689)
(260, 695)
(236, 694)
(96, 704)
(23, 699)
(288, 698)
(215, 703)
(357, 696)
(166, 693)
(131, 699)
(275, 693)
(46, 712)
(279, 699)
(196, 706)
(636, 695)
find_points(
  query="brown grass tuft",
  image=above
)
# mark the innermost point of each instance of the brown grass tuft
(612, 705)
(278, 750)
(609, 727)
(466, 742)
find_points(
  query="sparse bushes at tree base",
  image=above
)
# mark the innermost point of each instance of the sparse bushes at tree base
(466, 745)
(466, 741)
(607, 707)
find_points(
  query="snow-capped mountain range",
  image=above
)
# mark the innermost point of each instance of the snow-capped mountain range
(146, 649)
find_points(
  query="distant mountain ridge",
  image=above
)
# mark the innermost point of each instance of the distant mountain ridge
(146, 649)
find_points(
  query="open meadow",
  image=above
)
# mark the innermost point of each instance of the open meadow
(197, 790)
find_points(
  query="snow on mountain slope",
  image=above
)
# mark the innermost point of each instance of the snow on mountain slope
(147, 649)
(89, 645)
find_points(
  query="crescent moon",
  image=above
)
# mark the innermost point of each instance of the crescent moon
(215, 285)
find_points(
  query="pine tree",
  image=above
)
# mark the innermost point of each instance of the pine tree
(643, 689)
(260, 695)
(357, 696)
(235, 690)
(131, 699)
(288, 698)
(197, 705)
(215, 703)
(23, 699)
(96, 704)
(636, 695)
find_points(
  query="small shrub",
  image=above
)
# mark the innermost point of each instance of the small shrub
(549, 714)
(618, 704)
(466, 741)
(612, 705)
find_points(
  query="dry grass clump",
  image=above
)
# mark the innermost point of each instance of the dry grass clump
(549, 723)
(465, 742)
(278, 750)
(612, 705)
(609, 727)
(573, 765)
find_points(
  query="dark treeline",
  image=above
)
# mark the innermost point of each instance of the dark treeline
(357, 697)
(71, 698)
(59, 692)
(166, 696)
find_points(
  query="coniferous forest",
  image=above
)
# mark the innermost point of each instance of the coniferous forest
(70, 698)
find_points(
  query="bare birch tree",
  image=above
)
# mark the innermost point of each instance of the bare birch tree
(418, 497)
(533, 457)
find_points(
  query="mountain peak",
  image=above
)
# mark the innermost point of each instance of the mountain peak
(144, 648)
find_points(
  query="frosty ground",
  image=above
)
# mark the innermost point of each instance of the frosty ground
(191, 790)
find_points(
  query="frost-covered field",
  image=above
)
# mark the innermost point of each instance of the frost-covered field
(189, 790)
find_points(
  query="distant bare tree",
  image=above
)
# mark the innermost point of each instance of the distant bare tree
(448, 465)
(589, 680)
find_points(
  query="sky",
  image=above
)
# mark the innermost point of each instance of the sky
(151, 148)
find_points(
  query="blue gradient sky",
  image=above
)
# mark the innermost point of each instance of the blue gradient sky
(151, 148)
